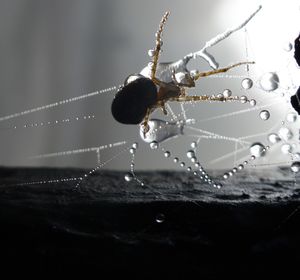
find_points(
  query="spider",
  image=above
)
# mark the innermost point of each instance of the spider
(142, 94)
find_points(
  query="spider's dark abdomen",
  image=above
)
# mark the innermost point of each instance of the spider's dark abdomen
(132, 101)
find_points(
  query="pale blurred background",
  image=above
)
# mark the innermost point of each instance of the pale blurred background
(59, 49)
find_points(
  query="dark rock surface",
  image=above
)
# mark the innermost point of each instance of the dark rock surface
(247, 229)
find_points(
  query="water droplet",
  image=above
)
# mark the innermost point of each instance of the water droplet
(220, 96)
(291, 117)
(234, 170)
(167, 154)
(135, 145)
(132, 150)
(285, 133)
(193, 159)
(160, 218)
(193, 73)
(252, 102)
(183, 78)
(160, 130)
(219, 186)
(128, 177)
(132, 78)
(297, 155)
(182, 164)
(227, 93)
(151, 53)
(189, 169)
(264, 115)
(240, 167)
(295, 167)
(243, 99)
(286, 148)
(288, 47)
(257, 150)
(269, 81)
(226, 176)
(154, 145)
(194, 144)
(176, 159)
(190, 154)
(274, 138)
(247, 83)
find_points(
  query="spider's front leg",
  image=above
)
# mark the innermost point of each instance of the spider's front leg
(220, 70)
(195, 98)
(158, 44)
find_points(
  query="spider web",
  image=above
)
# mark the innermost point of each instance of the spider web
(233, 150)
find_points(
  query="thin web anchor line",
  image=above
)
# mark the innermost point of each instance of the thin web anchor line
(58, 103)
(79, 151)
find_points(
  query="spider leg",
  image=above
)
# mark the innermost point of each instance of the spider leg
(221, 70)
(144, 123)
(193, 98)
(158, 44)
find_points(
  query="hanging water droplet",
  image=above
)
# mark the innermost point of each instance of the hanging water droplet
(190, 154)
(247, 83)
(288, 47)
(182, 164)
(184, 78)
(264, 115)
(194, 72)
(291, 117)
(194, 144)
(176, 159)
(226, 176)
(257, 150)
(220, 96)
(227, 93)
(297, 156)
(243, 99)
(154, 145)
(151, 53)
(219, 186)
(189, 169)
(295, 167)
(128, 177)
(252, 102)
(160, 130)
(132, 151)
(167, 154)
(160, 218)
(135, 145)
(286, 149)
(240, 167)
(269, 81)
(274, 138)
(193, 159)
(285, 133)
